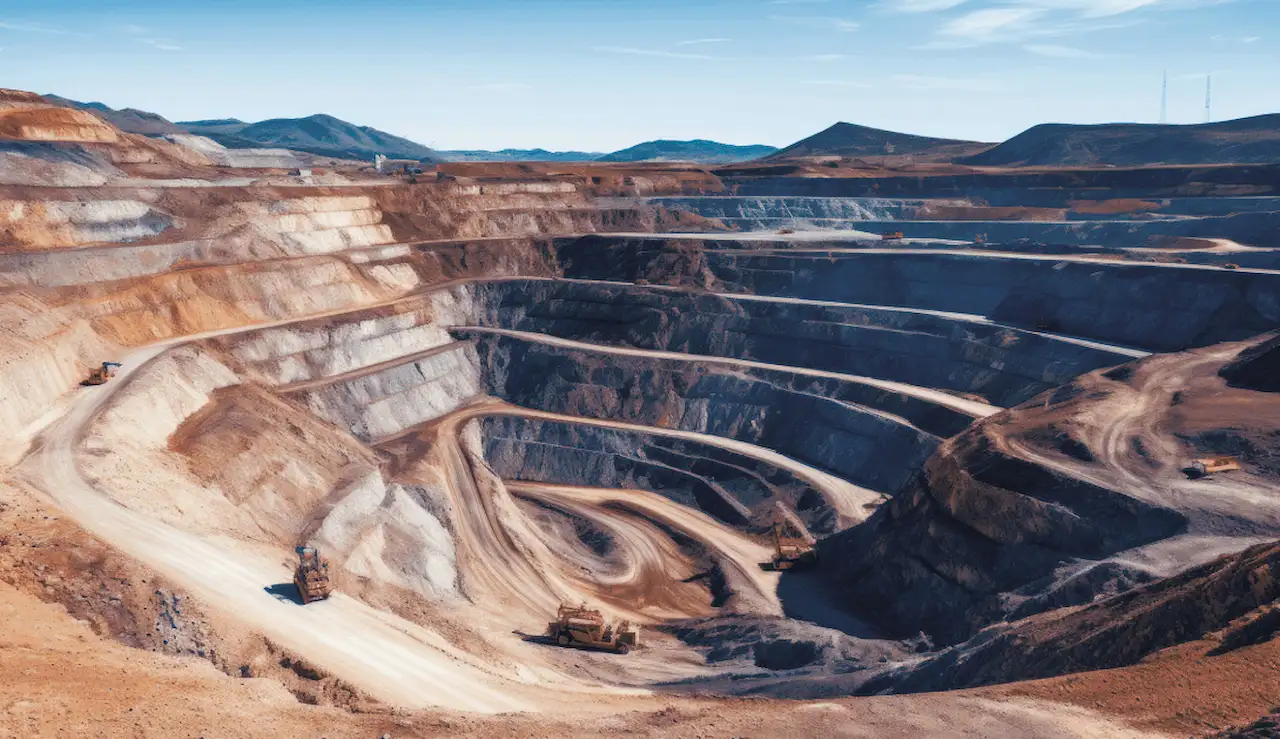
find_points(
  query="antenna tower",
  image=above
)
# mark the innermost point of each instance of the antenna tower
(1164, 100)
(1208, 98)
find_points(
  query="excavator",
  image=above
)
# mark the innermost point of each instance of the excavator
(579, 626)
(100, 375)
(790, 552)
(312, 575)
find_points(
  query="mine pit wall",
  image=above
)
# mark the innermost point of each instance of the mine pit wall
(49, 164)
(1255, 229)
(327, 347)
(877, 216)
(50, 224)
(235, 460)
(1162, 308)
(397, 397)
(730, 487)
(982, 536)
(1051, 189)
(789, 415)
(1005, 366)
(52, 337)
(744, 210)
(752, 213)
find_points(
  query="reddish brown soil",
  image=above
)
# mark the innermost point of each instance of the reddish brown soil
(1182, 690)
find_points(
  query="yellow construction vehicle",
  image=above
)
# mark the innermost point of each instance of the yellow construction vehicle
(579, 626)
(790, 552)
(1206, 466)
(100, 375)
(312, 575)
(892, 236)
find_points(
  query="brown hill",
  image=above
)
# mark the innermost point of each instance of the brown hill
(1244, 141)
(850, 140)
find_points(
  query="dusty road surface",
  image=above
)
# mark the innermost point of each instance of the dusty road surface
(971, 408)
(61, 680)
(392, 659)
(732, 548)
(848, 499)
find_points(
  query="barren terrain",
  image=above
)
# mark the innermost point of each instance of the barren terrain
(512, 386)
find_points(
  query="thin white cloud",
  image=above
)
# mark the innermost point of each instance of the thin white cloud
(920, 6)
(162, 44)
(931, 82)
(662, 53)
(1057, 51)
(835, 83)
(501, 86)
(1021, 21)
(1244, 40)
(698, 41)
(824, 22)
(823, 57)
(990, 23)
(34, 28)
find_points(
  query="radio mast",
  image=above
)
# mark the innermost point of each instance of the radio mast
(1208, 98)
(1164, 100)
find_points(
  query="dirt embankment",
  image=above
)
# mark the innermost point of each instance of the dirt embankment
(1085, 472)
(46, 556)
(1227, 601)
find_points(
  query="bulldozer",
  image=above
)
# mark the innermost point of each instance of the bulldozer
(1205, 466)
(100, 375)
(579, 626)
(790, 552)
(312, 575)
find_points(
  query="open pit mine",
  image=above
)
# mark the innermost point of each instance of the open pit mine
(631, 449)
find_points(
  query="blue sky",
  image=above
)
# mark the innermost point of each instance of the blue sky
(590, 74)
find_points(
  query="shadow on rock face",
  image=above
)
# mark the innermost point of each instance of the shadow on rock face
(807, 596)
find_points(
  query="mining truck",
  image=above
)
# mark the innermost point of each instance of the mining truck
(579, 626)
(312, 575)
(790, 552)
(1206, 466)
(100, 375)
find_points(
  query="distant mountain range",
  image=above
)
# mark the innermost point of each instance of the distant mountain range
(1244, 141)
(317, 134)
(850, 140)
(128, 120)
(519, 155)
(698, 150)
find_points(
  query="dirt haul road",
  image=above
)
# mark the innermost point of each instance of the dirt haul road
(971, 408)
(392, 659)
(733, 549)
(848, 499)
(1137, 453)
